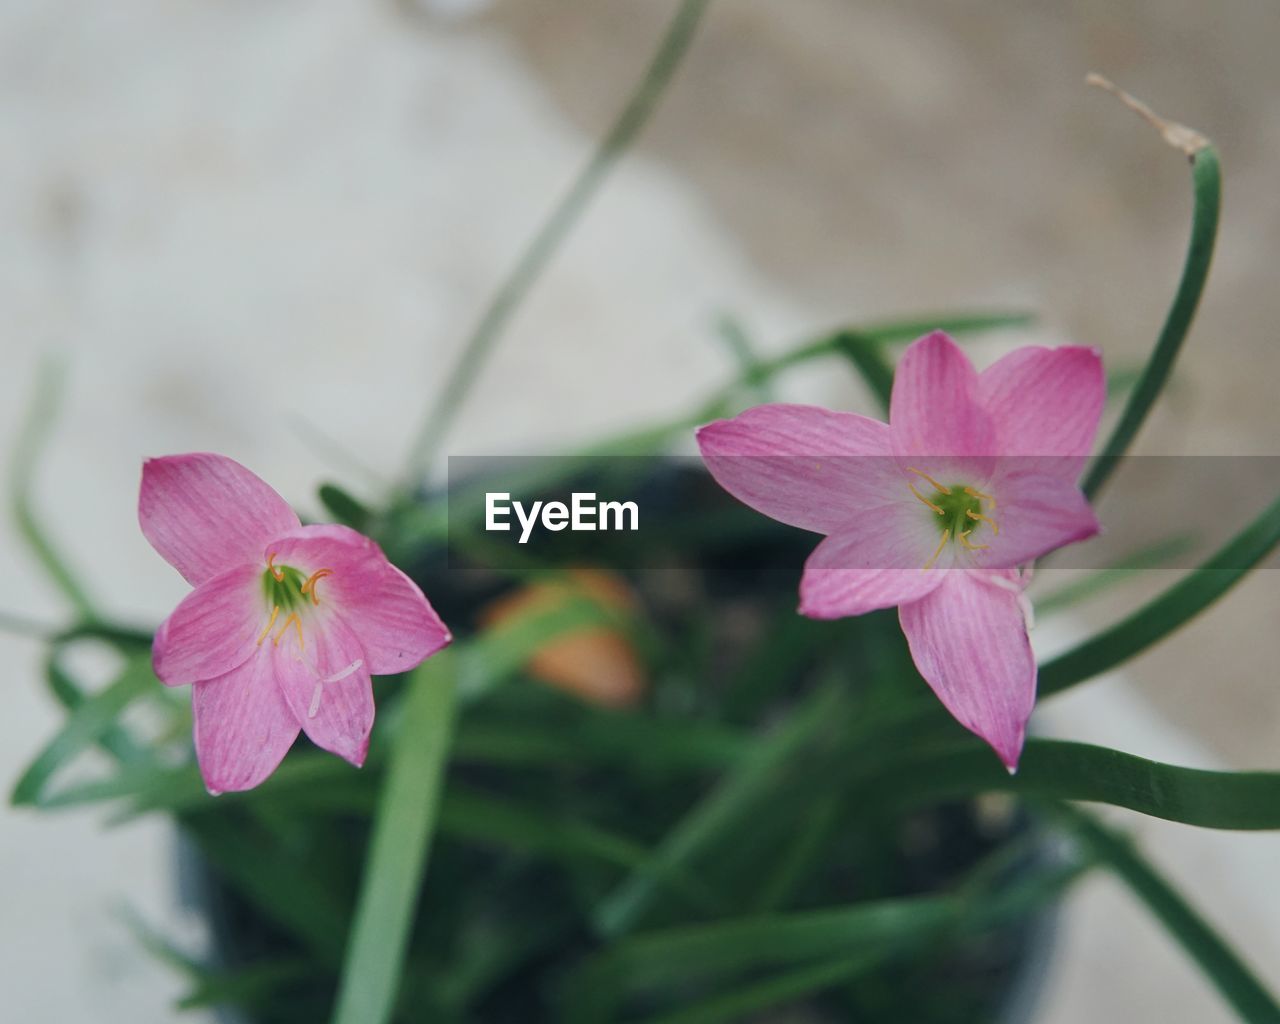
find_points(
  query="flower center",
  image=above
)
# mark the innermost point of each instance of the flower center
(959, 512)
(286, 589)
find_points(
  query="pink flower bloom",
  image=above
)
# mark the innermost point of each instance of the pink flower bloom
(973, 476)
(287, 622)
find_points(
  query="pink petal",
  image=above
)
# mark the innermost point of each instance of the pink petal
(326, 684)
(935, 408)
(395, 624)
(1037, 513)
(969, 640)
(205, 513)
(801, 465)
(1047, 402)
(243, 728)
(877, 563)
(213, 630)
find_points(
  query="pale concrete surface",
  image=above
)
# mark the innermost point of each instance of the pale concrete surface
(235, 218)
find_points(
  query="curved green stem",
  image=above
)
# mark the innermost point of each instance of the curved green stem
(533, 261)
(1176, 606)
(1206, 177)
(1065, 770)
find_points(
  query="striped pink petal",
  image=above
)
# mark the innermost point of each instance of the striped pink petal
(206, 513)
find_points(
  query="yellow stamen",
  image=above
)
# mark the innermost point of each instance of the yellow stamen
(976, 516)
(309, 587)
(278, 574)
(964, 540)
(926, 476)
(946, 536)
(973, 492)
(291, 619)
(921, 497)
(270, 622)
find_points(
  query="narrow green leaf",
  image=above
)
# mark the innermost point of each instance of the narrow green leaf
(635, 741)
(399, 847)
(1078, 771)
(671, 957)
(867, 356)
(750, 368)
(487, 819)
(115, 739)
(344, 508)
(158, 945)
(784, 987)
(1176, 606)
(564, 215)
(482, 818)
(151, 786)
(1206, 180)
(805, 847)
(244, 987)
(1151, 556)
(890, 332)
(725, 805)
(121, 635)
(833, 343)
(663, 960)
(249, 986)
(178, 789)
(1211, 953)
(92, 719)
(273, 881)
(32, 438)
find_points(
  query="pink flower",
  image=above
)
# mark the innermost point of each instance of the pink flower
(287, 622)
(973, 476)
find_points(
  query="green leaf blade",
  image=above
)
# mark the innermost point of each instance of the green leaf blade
(398, 851)
(1175, 607)
(1064, 770)
(1238, 984)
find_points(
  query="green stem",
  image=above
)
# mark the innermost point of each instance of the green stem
(533, 261)
(402, 832)
(1206, 177)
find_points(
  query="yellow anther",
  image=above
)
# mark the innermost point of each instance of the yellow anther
(965, 542)
(291, 620)
(946, 536)
(926, 476)
(309, 587)
(921, 497)
(973, 492)
(270, 622)
(278, 574)
(978, 516)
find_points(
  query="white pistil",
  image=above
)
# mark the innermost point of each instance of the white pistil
(314, 709)
(353, 667)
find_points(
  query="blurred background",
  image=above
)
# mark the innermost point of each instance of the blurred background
(265, 228)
